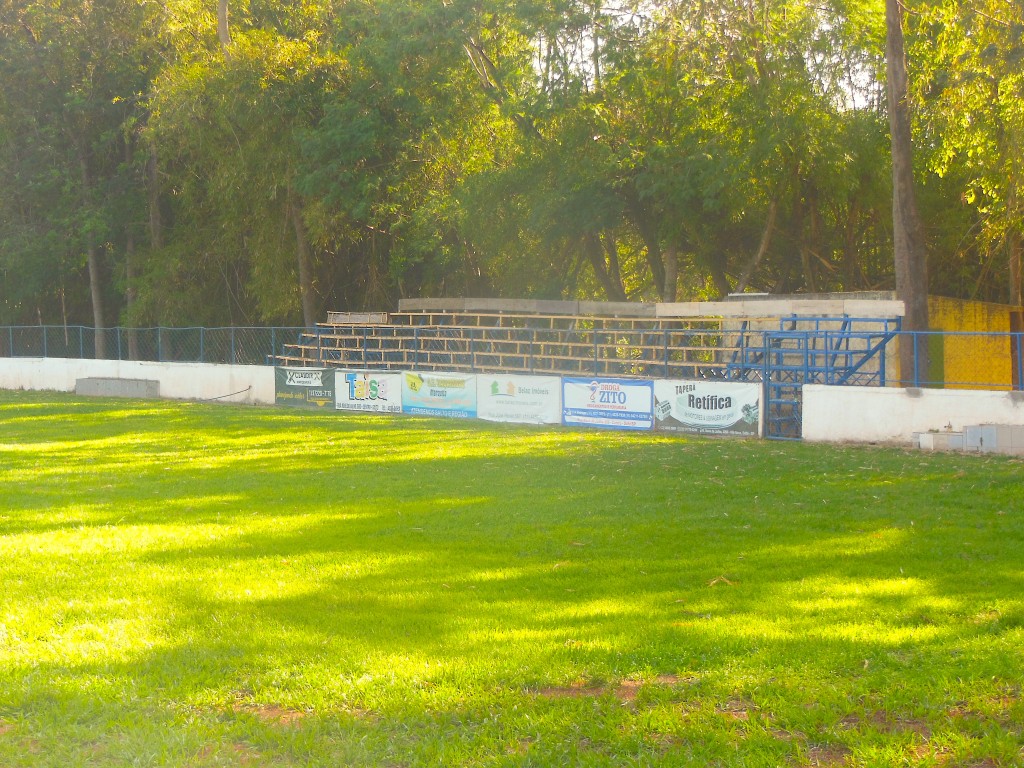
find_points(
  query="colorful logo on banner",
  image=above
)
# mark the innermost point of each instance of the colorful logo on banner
(304, 387)
(370, 392)
(451, 395)
(707, 407)
(610, 403)
(519, 399)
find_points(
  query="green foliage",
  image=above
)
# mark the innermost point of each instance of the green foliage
(356, 154)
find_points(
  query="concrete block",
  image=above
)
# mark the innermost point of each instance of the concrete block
(431, 305)
(817, 308)
(972, 438)
(110, 387)
(1010, 439)
(988, 438)
(617, 309)
(869, 308)
(685, 309)
(941, 441)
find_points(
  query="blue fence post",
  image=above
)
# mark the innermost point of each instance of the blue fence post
(119, 343)
(1019, 339)
(915, 337)
(10, 340)
(416, 346)
(43, 328)
(366, 333)
(881, 364)
(81, 342)
(202, 344)
(234, 354)
(159, 345)
(596, 352)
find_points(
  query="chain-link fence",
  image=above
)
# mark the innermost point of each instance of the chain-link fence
(934, 359)
(238, 346)
(961, 360)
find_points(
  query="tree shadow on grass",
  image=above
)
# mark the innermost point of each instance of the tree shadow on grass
(415, 593)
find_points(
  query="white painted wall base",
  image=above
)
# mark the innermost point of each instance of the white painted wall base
(893, 415)
(254, 384)
(830, 414)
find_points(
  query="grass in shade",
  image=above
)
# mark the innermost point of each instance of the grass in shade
(198, 585)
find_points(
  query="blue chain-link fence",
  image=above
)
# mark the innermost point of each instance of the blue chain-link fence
(953, 360)
(237, 346)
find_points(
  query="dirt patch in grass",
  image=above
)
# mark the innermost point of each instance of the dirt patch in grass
(571, 692)
(886, 722)
(271, 713)
(625, 691)
(826, 756)
(5, 727)
(736, 709)
(243, 754)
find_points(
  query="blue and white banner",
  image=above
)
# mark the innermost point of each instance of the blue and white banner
(610, 403)
(368, 392)
(439, 394)
(708, 407)
(519, 399)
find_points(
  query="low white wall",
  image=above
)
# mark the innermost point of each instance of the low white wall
(254, 384)
(893, 415)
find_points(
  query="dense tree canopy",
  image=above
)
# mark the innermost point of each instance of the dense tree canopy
(261, 162)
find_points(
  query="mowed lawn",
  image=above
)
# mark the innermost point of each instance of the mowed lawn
(207, 585)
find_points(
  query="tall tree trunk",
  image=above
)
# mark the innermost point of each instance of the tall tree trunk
(92, 255)
(762, 248)
(851, 262)
(671, 261)
(130, 292)
(223, 31)
(720, 279)
(302, 250)
(1016, 264)
(908, 234)
(156, 223)
(1016, 257)
(612, 284)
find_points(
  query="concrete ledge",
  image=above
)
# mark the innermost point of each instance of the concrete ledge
(431, 305)
(357, 318)
(107, 387)
(617, 309)
(763, 307)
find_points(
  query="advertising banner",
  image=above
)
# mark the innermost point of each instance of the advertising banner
(610, 403)
(369, 392)
(304, 387)
(439, 394)
(708, 407)
(519, 399)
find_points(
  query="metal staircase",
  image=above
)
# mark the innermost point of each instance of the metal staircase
(812, 350)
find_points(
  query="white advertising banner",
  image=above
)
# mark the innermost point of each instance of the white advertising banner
(439, 394)
(368, 392)
(708, 407)
(611, 403)
(519, 399)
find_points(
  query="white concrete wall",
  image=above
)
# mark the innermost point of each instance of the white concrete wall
(892, 415)
(179, 381)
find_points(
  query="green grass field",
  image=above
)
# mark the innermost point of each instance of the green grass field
(199, 585)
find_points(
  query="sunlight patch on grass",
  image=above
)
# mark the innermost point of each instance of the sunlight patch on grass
(203, 586)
